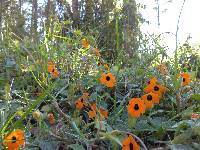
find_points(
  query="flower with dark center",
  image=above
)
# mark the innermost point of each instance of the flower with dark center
(107, 79)
(136, 107)
(130, 144)
(156, 88)
(14, 140)
(186, 79)
(150, 99)
(82, 101)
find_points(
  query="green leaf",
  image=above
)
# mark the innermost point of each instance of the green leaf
(187, 135)
(186, 124)
(131, 121)
(112, 138)
(103, 126)
(7, 90)
(100, 125)
(76, 147)
(195, 97)
(180, 147)
(46, 108)
(48, 145)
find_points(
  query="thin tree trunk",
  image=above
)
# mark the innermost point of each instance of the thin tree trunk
(130, 27)
(47, 15)
(76, 13)
(50, 14)
(34, 20)
(1, 18)
(89, 19)
(20, 6)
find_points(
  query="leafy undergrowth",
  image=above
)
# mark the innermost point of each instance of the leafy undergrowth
(67, 96)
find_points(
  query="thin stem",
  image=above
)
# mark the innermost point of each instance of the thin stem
(158, 13)
(176, 57)
(176, 49)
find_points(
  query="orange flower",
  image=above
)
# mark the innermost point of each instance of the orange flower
(55, 73)
(136, 107)
(85, 43)
(150, 99)
(155, 88)
(51, 118)
(103, 113)
(108, 79)
(92, 113)
(51, 66)
(130, 144)
(81, 102)
(186, 79)
(14, 140)
(162, 68)
(52, 69)
(152, 81)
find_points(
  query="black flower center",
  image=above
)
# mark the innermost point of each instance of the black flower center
(149, 97)
(148, 82)
(53, 70)
(131, 146)
(183, 79)
(33, 121)
(136, 107)
(82, 100)
(14, 139)
(108, 78)
(156, 88)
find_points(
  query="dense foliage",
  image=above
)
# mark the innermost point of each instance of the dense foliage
(82, 75)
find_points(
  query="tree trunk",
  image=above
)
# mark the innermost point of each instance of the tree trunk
(131, 29)
(76, 13)
(1, 17)
(89, 19)
(50, 13)
(34, 20)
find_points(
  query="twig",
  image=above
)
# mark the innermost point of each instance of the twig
(60, 138)
(61, 90)
(68, 118)
(55, 104)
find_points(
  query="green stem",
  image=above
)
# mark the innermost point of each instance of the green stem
(176, 71)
